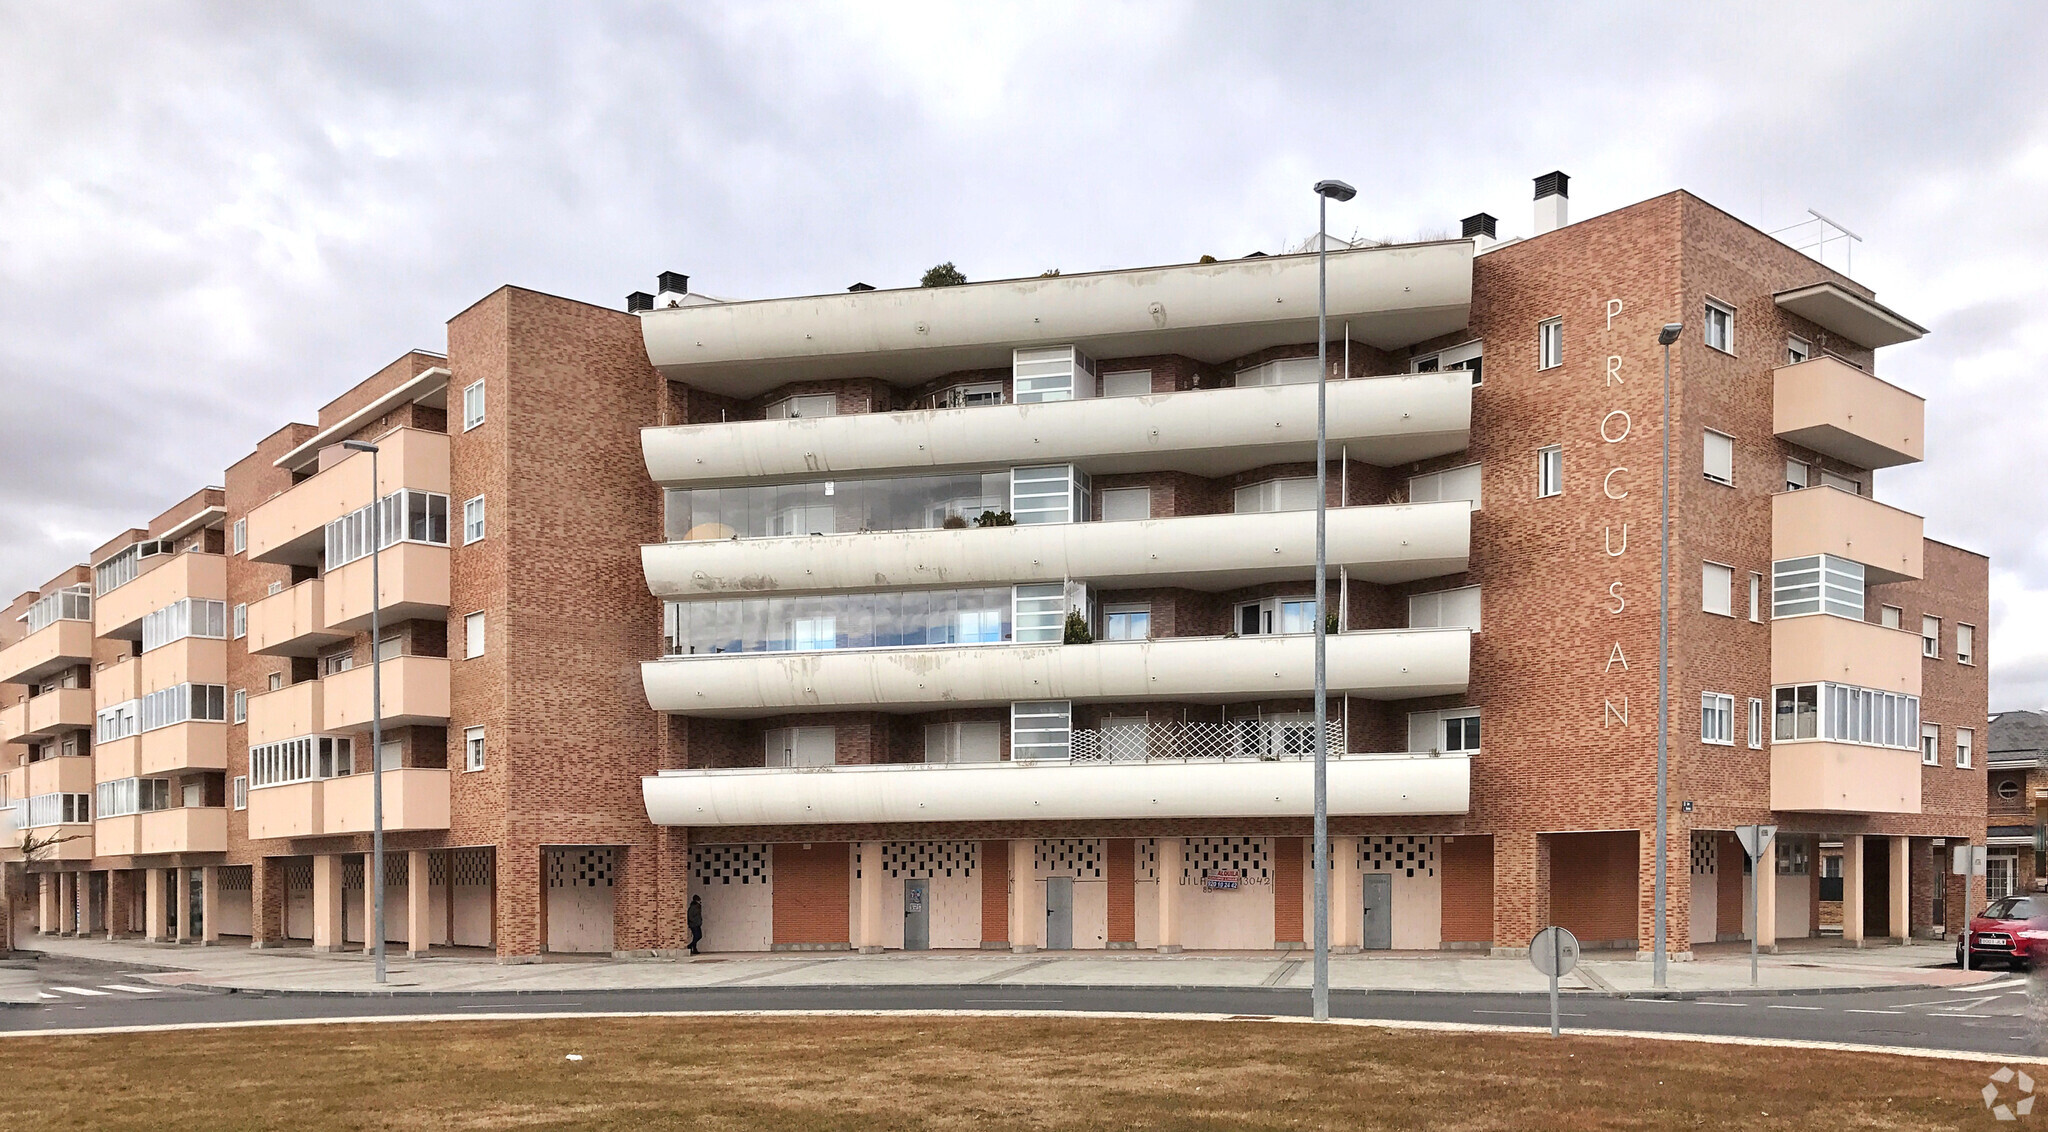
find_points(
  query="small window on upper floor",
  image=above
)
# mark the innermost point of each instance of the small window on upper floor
(1550, 343)
(472, 405)
(1797, 474)
(808, 405)
(1797, 350)
(1445, 609)
(1719, 457)
(1549, 471)
(1966, 744)
(1449, 484)
(1721, 326)
(1717, 585)
(1966, 644)
(473, 629)
(1930, 637)
(472, 520)
(1121, 503)
(1127, 383)
(239, 536)
(1889, 616)
(1467, 356)
(1292, 494)
(1841, 483)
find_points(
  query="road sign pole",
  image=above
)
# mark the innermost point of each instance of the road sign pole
(1555, 943)
(1757, 912)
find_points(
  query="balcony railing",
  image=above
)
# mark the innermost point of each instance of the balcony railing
(1183, 741)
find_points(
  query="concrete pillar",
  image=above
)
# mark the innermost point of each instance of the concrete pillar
(1852, 889)
(67, 903)
(1027, 911)
(1172, 859)
(327, 903)
(209, 904)
(156, 912)
(120, 903)
(1766, 926)
(1901, 890)
(1347, 922)
(870, 863)
(182, 893)
(46, 900)
(418, 920)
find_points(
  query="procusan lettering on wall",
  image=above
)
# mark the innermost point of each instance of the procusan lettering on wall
(1615, 428)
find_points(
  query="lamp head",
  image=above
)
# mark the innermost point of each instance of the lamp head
(1335, 190)
(1670, 333)
(358, 446)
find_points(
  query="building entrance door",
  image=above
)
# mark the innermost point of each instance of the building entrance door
(917, 915)
(1059, 913)
(1941, 871)
(1379, 912)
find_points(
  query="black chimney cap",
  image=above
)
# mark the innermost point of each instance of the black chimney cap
(674, 281)
(861, 287)
(1479, 224)
(1553, 184)
(639, 301)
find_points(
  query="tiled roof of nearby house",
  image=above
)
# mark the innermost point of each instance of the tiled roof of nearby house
(2017, 736)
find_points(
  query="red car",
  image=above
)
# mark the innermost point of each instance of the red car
(2013, 931)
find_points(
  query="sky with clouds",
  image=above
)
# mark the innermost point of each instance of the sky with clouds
(216, 217)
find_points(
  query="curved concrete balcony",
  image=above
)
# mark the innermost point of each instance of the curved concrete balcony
(1844, 778)
(1838, 410)
(412, 576)
(291, 711)
(1391, 296)
(1215, 432)
(415, 798)
(65, 774)
(292, 527)
(119, 611)
(293, 622)
(183, 746)
(415, 691)
(1391, 664)
(190, 660)
(1828, 520)
(52, 713)
(1807, 650)
(1202, 552)
(1359, 786)
(190, 829)
(60, 644)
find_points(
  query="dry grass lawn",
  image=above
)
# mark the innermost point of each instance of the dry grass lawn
(952, 1073)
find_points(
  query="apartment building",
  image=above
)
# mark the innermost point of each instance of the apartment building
(982, 616)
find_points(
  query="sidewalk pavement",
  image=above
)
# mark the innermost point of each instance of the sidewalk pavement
(1812, 966)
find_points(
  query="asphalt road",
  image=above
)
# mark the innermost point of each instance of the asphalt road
(2002, 1018)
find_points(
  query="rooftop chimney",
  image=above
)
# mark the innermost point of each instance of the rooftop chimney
(859, 287)
(671, 289)
(1553, 191)
(1479, 228)
(639, 301)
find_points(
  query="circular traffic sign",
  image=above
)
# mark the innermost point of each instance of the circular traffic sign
(1554, 951)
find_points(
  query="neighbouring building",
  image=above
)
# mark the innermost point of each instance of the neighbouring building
(982, 616)
(2013, 784)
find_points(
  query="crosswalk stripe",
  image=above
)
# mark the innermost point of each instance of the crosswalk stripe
(131, 990)
(87, 991)
(47, 994)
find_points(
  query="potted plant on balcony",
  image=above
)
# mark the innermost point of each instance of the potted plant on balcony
(1077, 629)
(996, 519)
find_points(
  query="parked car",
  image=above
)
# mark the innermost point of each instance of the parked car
(2012, 930)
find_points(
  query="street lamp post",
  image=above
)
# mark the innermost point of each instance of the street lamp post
(376, 704)
(1326, 191)
(1665, 338)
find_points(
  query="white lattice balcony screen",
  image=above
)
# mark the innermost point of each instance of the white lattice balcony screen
(1198, 741)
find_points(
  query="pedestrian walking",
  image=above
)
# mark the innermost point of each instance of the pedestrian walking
(695, 921)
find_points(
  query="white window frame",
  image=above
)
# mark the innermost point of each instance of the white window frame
(1125, 494)
(1550, 471)
(1756, 597)
(1966, 644)
(1797, 350)
(1757, 717)
(1727, 311)
(1434, 721)
(1550, 343)
(472, 405)
(1431, 487)
(239, 535)
(241, 712)
(1268, 496)
(1034, 734)
(472, 525)
(1707, 437)
(1891, 616)
(1127, 377)
(1798, 474)
(1710, 586)
(1126, 609)
(1279, 371)
(473, 630)
(1966, 747)
(1930, 642)
(1436, 597)
(239, 791)
(1930, 744)
(241, 620)
(1465, 355)
(1271, 613)
(796, 406)
(1717, 719)
(473, 752)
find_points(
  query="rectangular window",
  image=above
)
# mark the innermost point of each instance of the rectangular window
(907, 619)
(1549, 471)
(1819, 583)
(241, 791)
(1842, 713)
(182, 703)
(1451, 483)
(239, 540)
(1966, 739)
(1055, 493)
(391, 647)
(1797, 350)
(1039, 613)
(403, 516)
(1126, 622)
(1890, 616)
(1720, 457)
(1282, 371)
(1721, 326)
(337, 662)
(473, 630)
(472, 520)
(1717, 589)
(1756, 724)
(1930, 637)
(1455, 731)
(1930, 744)
(309, 758)
(801, 746)
(1796, 474)
(1756, 598)
(808, 405)
(472, 405)
(963, 742)
(1051, 373)
(1465, 357)
(1841, 483)
(1041, 729)
(119, 721)
(1295, 494)
(1120, 504)
(241, 620)
(187, 617)
(1285, 615)
(1129, 383)
(1445, 609)
(473, 748)
(1966, 644)
(241, 705)
(1717, 719)
(1550, 344)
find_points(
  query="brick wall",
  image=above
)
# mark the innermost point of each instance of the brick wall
(995, 892)
(811, 902)
(1592, 886)
(1468, 889)
(1288, 865)
(1119, 869)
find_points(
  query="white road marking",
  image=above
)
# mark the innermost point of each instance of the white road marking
(1794, 1008)
(47, 994)
(1952, 1014)
(131, 990)
(1528, 1013)
(1704, 1002)
(2001, 985)
(1856, 1011)
(81, 991)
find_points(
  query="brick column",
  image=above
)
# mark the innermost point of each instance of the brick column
(327, 903)
(266, 901)
(671, 923)
(1521, 890)
(1120, 866)
(1027, 916)
(1293, 888)
(120, 903)
(156, 906)
(1677, 892)
(1767, 898)
(1852, 889)
(1347, 919)
(418, 922)
(519, 895)
(67, 904)
(1901, 890)
(209, 900)
(1172, 857)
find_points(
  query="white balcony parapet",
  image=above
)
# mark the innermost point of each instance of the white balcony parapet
(1384, 545)
(1391, 297)
(1359, 786)
(1383, 664)
(1214, 432)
